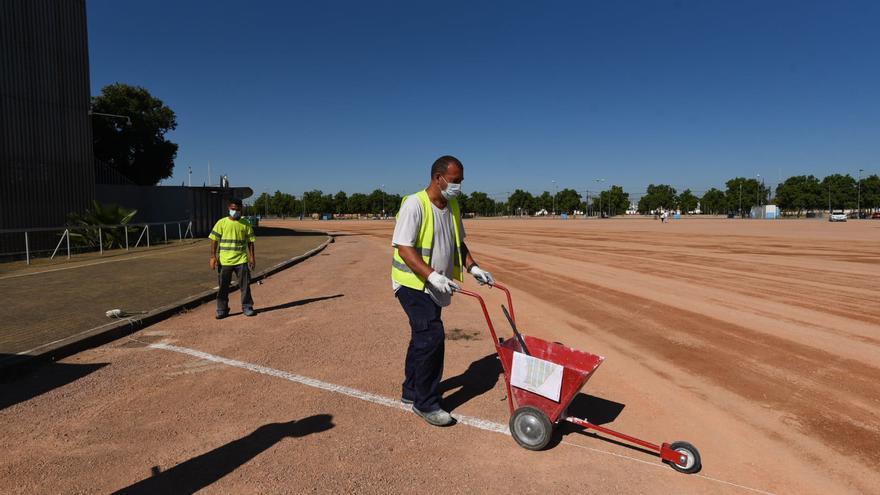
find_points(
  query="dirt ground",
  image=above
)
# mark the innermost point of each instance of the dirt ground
(756, 341)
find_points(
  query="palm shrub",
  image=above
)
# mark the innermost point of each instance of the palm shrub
(88, 225)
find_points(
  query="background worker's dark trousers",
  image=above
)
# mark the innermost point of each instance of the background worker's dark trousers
(243, 273)
(424, 357)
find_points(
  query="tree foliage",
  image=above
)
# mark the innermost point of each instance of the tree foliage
(657, 197)
(138, 150)
(799, 193)
(840, 191)
(567, 201)
(90, 225)
(742, 194)
(713, 202)
(687, 202)
(613, 201)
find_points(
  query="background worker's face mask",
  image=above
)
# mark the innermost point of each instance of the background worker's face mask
(452, 190)
(236, 214)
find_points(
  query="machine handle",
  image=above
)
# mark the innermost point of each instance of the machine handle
(519, 338)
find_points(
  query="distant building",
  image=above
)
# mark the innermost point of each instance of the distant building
(46, 157)
(47, 164)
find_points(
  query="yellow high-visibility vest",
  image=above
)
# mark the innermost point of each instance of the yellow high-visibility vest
(400, 272)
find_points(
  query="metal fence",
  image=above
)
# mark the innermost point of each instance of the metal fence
(29, 244)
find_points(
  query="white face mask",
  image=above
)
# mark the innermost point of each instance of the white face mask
(235, 214)
(452, 190)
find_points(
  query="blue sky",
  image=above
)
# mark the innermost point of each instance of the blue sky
(350, 95)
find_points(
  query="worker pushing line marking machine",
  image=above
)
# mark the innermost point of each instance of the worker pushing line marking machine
(542, 379)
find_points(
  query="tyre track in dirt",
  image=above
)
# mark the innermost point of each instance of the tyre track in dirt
(787, 323)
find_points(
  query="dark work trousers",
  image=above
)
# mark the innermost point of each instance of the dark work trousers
(424, 357)
(243, 273)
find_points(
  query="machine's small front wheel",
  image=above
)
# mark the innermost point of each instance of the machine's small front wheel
(531, 428)
(692, 464)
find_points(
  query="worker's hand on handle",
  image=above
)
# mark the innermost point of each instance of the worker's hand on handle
(213, 263)
(442, 283)
(252, 263)
(482, 276)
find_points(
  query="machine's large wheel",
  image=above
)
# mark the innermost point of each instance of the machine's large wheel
(693, 463)
(530, 428)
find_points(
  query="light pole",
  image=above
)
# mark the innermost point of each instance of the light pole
(829, 197)
(740, 199)
(757, 190)
(859, 204)
(382, 188)
(266, 201)
(554, 197)
(600, 195)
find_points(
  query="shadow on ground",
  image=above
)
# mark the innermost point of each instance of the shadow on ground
(199, 472)
(293, 304)
(38, 378)
(479, 378)
(598, 411)
(281, 232)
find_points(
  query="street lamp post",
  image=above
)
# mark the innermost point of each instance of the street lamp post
(600, 195)
(859, 204)
(382, 188)
(554, 196)
(740, 199)
(757, 190)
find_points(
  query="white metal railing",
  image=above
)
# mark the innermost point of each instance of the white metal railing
(144, 236)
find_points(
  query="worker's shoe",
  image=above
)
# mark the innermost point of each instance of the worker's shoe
(436, 418)
(249, 311)
(220, 316)
(406, 401)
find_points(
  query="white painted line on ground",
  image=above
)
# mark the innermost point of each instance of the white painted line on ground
(396, 404)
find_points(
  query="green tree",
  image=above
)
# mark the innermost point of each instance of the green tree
(840, 191)
(687, 202)
(713, 202)
(91, 224)
(870, 192)
(340, 201)
(567, 201)
(612, 201)
(799, 193)
(137, 149)
(544, 201)
(520, 202)
(658, 196)
(742, 194)
(481, 204)
(358, 203)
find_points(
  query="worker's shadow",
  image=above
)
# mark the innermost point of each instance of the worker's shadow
(479, 378)
(199, 472)
(293, 304)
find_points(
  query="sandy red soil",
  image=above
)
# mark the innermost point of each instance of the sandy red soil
(755, 341)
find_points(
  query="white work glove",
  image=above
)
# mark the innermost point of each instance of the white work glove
(482, 276)
(442, 283)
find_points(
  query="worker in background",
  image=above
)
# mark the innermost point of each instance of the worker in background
(234, 239)
(429, 253)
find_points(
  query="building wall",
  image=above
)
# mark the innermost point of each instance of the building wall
(201, 205)
(46, 157)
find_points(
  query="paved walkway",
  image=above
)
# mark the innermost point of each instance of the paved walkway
(48, 303)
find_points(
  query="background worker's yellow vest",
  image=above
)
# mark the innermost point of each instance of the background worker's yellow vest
(400, 272)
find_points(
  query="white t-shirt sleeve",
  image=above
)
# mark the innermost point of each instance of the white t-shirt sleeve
(409, 222)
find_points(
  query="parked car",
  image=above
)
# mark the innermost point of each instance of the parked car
(876, 215)
(837, 216)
